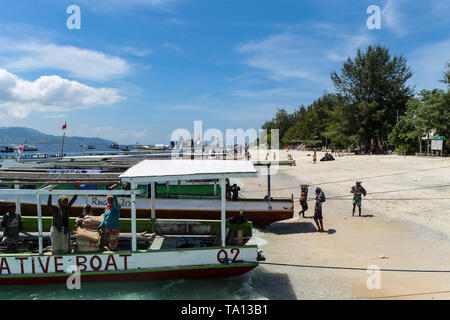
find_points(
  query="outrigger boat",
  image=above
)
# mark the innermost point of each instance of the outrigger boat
(153, 258)
(171, 203)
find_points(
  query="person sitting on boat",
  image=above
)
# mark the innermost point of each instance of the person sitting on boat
(12, 226)
(60, 230)
(235, 191)
(111, 222)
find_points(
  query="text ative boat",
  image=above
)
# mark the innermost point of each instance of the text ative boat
(161, 258)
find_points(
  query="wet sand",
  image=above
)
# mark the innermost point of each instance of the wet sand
(404, 229)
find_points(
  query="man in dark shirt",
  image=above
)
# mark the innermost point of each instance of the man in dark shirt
(235, 191)
(12, 225)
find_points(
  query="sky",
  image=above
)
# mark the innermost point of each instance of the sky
(136, 70)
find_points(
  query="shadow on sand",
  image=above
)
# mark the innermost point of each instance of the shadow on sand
(291, 228)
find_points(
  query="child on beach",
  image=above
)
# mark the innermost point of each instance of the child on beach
(314, 157)
(318, 218)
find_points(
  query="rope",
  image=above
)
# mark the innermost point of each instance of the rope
(353, 179)
(352, 268)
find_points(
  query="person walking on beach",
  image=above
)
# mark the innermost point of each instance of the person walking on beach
(314, 157)
(12, 224)
(111, 222)
(357, 191)
(318, 218)
(303, 199)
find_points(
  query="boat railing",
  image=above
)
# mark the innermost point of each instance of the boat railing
(39, 193)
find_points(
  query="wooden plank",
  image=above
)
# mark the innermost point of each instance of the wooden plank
(157, 243)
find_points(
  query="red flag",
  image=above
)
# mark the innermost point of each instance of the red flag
(21, 147)
(64, 126)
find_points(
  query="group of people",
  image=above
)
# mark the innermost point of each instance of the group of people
(60, 230)
(357, 190)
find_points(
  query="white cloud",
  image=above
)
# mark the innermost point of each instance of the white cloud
(77, 62)
(136, 51)
(171, 46)
(392, 18)
(185, 107)
(103, 5)
(306, 53)
(429, 64)
(19, 98)
(110, 133)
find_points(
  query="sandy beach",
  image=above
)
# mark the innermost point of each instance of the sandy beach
(405, 225)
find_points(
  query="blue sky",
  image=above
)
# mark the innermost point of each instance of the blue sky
(139, 69)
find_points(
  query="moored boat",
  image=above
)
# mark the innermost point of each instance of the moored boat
(158, 257)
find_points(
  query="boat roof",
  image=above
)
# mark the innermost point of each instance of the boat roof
(172, 170)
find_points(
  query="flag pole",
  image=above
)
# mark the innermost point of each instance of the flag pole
(64, 135)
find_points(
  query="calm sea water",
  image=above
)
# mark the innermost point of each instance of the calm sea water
(250, 286)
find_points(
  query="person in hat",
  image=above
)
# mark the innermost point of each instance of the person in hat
(357, 191)
(12, 224)
(318, 218)
(303, 199)
(60, 232)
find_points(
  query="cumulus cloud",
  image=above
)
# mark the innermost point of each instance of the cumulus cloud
(77, 62)
(19, 97)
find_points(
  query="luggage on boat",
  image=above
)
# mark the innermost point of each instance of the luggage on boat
(91, 222)
(86, 234)
(82, 245)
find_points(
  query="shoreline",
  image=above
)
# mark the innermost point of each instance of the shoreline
(405, 236)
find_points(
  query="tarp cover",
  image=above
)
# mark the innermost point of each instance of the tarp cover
(166, 170)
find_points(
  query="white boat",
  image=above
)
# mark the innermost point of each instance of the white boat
(163, 259)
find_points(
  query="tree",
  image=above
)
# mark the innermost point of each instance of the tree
(447, 75)
(373, 85)
(428, 112)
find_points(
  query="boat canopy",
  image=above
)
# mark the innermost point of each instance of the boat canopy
(172, 170)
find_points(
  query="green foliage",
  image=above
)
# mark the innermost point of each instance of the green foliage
(372, 100)
(374, 85)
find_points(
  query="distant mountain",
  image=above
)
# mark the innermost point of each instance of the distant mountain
(17, 135)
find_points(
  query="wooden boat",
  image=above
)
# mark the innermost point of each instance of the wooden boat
(157, 257)
(196, 197)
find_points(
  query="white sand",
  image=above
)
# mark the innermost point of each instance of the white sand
(392, 234)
